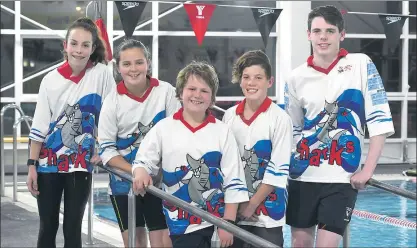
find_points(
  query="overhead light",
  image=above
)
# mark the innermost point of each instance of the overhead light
(78, 8)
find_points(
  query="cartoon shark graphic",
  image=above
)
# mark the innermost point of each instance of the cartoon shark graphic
(251, 168)
(72, 127)
(199, 182)
(332, 110)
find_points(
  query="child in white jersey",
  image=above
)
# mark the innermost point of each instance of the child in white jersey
(330, 98)
(199, 159)
(263, 133)
(128, 113)
(63, 133)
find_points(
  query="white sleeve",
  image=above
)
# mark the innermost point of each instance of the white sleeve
(172, 103)
(294, 110)
(150, 152)
(43, 114)
(108, 130)
(234, 181)
(377, 111)
(226, 116)
(276, 173)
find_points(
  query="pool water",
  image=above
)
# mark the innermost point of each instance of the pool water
(363, 232)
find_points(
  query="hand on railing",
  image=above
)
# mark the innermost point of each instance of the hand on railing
(141, 180)
(358, 180)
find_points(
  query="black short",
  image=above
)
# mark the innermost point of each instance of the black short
(200, 238)
(328, 204)
(273, 235)
(148, 211)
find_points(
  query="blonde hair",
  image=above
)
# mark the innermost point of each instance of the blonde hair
(201, 69)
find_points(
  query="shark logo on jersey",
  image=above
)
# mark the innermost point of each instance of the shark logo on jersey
(335, 138)
(251, 168)
(200, 183)
(332, 110)
(72, 126)
(256, 164)
(72, 136)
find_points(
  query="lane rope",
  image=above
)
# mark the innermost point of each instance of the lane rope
(385, 219)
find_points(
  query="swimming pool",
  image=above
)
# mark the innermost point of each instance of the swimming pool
(363, 232)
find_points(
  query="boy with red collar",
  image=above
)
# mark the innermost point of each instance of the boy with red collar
(330, 98)
(263, 133)
(199, 159)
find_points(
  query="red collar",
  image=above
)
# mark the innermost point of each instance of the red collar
(122, 90)
(66, 71)
(241, 107)
(342, 53)
(179, 116)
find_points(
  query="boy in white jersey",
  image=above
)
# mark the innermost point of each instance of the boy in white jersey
(200, 161)
(63, 133)
(330, 100)
(128, 113)
(263, 133)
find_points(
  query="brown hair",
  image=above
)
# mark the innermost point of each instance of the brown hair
(132, 43)
(248, 59)
(330, 14)
(201, 69)
(99, 54)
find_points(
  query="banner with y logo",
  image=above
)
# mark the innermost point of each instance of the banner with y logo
(393, 26)
(130, 12)
(265, 19)
(200, 15)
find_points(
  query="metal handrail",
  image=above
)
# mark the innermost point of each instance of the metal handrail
(15, 125)
(392, 189)
(3, 111)
(236, 231)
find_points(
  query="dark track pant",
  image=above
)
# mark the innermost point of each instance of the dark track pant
(76, 187)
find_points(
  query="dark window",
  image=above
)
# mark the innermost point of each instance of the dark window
(412, 119)
(359, 23)
(224, 18)
(388, 65)
(412, 20)
(60, 13)
(8, 4)
(221, 52)
(39, 54)
(146, 16)
(7, 18)
(412, 67)
(29, 110)
(7, 64)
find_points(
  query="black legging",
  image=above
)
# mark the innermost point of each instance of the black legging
(76, 188)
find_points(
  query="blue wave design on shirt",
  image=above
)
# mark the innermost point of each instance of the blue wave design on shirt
(119, 187)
